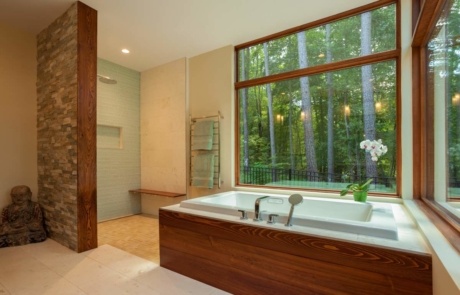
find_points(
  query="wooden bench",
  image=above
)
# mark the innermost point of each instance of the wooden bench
(156, 193)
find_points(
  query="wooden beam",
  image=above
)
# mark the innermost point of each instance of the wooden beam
(86, 128)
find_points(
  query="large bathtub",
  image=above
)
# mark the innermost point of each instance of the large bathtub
(370, 219)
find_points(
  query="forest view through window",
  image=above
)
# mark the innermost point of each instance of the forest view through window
(308, 99)
(444, 85)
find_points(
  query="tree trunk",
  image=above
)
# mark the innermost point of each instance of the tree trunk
(347, 130)
(330, 110)
(270, 113)
(309, 138)
(260, 127)
(244, 98)
(291, 144)
(367, 90)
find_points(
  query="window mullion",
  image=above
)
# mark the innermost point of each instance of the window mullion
(344, 64)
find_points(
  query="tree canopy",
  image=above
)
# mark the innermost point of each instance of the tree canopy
(305, 132)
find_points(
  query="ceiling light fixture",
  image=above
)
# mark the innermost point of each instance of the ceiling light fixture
(125, 51)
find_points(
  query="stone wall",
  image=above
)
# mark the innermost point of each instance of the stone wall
(57, 126)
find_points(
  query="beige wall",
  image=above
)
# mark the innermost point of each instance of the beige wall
(445, 282)
(163, 121)
(18, 112)
(210, 91)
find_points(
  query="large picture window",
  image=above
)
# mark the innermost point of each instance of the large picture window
(307, 99)
(443, 87)
(436, 130)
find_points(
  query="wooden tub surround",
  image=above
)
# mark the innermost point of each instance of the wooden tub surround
(244, 259)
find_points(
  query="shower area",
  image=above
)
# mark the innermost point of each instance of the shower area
(118, 141)
(140, 145)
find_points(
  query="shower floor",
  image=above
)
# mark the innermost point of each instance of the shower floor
(137, 234)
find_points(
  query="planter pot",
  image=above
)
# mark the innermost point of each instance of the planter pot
(360, 196)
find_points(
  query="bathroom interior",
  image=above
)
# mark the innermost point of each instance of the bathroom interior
(143, 128)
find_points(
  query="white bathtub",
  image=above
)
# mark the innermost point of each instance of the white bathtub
(370, 219)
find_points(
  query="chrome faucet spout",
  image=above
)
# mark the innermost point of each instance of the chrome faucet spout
(257, 212)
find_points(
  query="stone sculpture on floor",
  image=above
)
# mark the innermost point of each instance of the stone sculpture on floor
(21, 222)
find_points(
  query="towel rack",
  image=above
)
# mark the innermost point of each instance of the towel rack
(215, 146)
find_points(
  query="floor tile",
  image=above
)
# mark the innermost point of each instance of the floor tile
(36, 280)
(50, 268)
(125, 263)
(137, 234)
(3, 290)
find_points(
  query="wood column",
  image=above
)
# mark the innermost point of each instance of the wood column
(86, 128)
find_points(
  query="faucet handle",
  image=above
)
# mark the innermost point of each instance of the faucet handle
(272, 218)
(244, 214)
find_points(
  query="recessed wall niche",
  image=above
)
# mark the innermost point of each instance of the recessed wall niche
(109, 137)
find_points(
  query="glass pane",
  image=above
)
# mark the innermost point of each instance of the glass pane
(309, 135)
(371, 32)
(444, 85)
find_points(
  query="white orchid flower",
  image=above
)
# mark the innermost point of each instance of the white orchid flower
(374, 147)
(365, 144)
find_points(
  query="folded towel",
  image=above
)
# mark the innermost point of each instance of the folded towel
(203, 134)
(203, 170)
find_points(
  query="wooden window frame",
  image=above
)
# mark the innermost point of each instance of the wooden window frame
(339, 65)
(425, 15)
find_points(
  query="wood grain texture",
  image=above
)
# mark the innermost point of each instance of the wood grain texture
(427, 18)
(247, 260)
(86, 128)
(156, 193)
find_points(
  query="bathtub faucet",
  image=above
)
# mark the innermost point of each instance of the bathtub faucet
(257, 212)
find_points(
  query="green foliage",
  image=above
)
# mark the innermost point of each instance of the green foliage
(346, 89)
(356, 187)
(444, 61)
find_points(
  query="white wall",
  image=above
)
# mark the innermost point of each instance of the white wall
(118, 166)
(211, 91)
(18, 112)
(163, 133)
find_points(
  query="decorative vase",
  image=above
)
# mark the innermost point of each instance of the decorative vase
(360, 196)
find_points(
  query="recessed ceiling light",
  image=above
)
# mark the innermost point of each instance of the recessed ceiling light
(125, 51)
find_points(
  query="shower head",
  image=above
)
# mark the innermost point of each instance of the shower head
(106, 80)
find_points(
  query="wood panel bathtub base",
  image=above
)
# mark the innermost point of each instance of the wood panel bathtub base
(365, 257)
(233, 254)
(245, 260)
(213, 274)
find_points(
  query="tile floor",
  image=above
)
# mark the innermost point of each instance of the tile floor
(137, 234)
(49, 268)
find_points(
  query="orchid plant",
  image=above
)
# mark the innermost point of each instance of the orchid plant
(356, 187)
(376, 150)
(374, 147)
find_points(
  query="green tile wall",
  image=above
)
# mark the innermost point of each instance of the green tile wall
(118, 169)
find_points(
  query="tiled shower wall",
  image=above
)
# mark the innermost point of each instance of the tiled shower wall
(118, 142)
(57, 126)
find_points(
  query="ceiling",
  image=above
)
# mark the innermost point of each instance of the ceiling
(159, 31)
